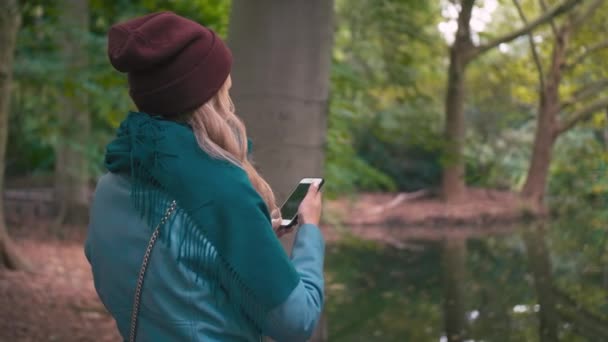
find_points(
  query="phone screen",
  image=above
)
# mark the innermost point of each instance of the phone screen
(290, 208)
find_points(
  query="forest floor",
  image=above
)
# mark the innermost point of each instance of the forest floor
(57, 300)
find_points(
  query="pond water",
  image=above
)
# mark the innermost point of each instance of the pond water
(539, 281)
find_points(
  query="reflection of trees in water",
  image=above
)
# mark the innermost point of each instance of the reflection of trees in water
(479, 291)
(541, 283)
(539, 265)
(495, 285)
(453, 264)
(557, 307)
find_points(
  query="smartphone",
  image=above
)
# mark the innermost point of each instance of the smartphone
(289, 209)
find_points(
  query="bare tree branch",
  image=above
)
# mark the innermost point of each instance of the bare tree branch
(562, 8)
(593, 48)
(543, 5)
(539, 66)
(579, 18)
(585, 92)
(581, 114)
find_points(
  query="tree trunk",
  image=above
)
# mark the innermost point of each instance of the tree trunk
(282, 55)
(538, 172)
(605, 130)
(453, 183)
(71, 166)
(546, 125)
(462, 52)
(453, 262)
(10, 20)
(540, 267)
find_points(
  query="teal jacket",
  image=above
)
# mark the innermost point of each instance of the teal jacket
(176, 305)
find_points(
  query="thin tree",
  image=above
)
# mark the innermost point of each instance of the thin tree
(71, 167)
(282, 55)
(462, 52)
(10, 20)
(556, 116)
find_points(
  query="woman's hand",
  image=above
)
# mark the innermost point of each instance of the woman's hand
(309, 211)
(276, 219)
(276, 223)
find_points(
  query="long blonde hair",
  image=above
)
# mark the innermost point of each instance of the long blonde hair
(222, 135)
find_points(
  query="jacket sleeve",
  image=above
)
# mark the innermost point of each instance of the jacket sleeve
(295, 319)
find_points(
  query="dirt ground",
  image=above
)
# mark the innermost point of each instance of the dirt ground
(395, 219)
(482, 206)
(57, 301)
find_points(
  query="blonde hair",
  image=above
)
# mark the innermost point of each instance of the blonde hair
(222, 135)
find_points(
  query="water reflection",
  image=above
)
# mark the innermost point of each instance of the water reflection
(539, 265)
(454, 279)
(541, 282)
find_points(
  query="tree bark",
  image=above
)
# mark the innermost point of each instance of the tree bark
(10, 20)
(546, 125)
(453, 182)
(540, 267)
(453, 262)
(605, 131)
(282, 55)
(71, 166)
(538, 172)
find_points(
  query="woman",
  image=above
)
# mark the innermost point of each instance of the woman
(218, 271)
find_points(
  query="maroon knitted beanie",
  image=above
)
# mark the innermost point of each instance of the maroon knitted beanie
(174, 64)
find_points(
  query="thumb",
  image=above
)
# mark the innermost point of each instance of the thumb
(313, 188)
(276, 223)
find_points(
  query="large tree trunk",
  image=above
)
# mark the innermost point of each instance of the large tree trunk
(540, 267)
(71, 166)
(546, 126)
(10, 19)
(282, 55)
(453, 182)
(453, 269)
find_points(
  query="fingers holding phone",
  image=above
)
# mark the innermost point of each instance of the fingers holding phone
(311, 207)
(276, 219)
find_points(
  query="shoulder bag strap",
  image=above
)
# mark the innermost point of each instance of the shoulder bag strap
(142, 271)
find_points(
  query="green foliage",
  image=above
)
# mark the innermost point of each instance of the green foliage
(387, 85)
(211, 13)
(404, 144)
(346, 170)
(41, 76)
(579, 172)
(383, 122)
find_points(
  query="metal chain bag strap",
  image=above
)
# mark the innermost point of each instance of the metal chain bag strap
(142, 271)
